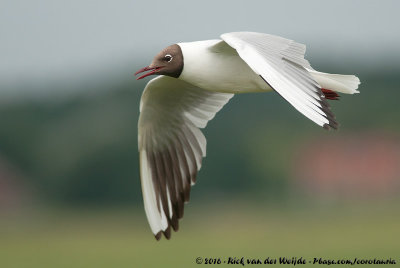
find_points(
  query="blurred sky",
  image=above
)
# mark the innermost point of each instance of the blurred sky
(51, 40)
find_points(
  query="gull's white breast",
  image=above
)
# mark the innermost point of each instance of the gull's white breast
(218, 71)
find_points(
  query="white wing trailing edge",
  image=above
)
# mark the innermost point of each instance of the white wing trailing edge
(171, 146)
(280, 63)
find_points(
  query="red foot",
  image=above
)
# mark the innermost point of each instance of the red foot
(329, 94)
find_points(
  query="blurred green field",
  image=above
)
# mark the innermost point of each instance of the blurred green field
(121, 238)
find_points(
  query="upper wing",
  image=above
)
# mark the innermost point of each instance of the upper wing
(171, 146)
(280, 63)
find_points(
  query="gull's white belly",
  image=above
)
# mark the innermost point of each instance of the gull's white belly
(219, 71)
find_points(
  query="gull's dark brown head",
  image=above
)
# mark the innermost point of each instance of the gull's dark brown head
(168, 62)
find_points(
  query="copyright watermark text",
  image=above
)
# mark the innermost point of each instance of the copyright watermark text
(293, 261)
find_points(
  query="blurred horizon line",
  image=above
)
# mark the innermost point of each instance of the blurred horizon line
(121, 70)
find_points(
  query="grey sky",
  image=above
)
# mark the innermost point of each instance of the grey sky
(51, 39)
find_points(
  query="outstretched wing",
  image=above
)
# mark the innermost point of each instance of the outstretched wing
(280, 63)
(171, 146)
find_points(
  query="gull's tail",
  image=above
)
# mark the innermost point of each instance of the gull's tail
(347, 84)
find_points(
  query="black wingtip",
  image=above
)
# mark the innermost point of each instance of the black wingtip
(175, 224)
(167, 233)
(332, 125)
(158, 236)
(187, 195)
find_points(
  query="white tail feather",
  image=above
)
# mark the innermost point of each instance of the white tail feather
(337, 82)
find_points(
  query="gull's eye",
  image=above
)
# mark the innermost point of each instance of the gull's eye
(168, 58)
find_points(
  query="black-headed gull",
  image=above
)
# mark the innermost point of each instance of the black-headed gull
(197, 80)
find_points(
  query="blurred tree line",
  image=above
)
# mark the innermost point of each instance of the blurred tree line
(82, 149)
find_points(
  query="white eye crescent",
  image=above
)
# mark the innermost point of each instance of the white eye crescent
(168, 57)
